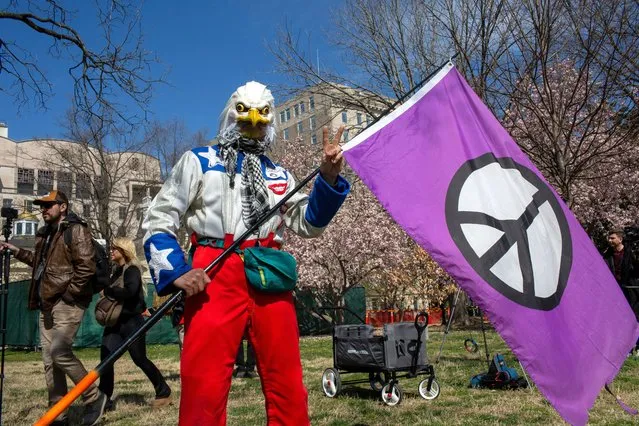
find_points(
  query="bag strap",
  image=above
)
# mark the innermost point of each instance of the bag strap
(68, 236)
(225, 242)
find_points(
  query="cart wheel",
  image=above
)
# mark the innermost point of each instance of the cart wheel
(331, 382)
(392, 394)
(378, 380)
(425, 393)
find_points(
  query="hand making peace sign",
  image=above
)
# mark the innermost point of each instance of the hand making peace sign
(333, 161)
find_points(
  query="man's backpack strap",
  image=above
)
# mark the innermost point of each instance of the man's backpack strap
(102, 276)
(68, 233)
(68, 236)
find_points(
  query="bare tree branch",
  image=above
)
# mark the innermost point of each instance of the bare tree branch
(106, 78)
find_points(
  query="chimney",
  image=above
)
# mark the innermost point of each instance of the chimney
(4, 130)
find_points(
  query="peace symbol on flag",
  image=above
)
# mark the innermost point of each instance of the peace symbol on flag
(509, 226)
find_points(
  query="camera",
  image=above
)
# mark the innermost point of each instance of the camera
(9, 213)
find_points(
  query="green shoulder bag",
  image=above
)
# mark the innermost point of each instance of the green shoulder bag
(270, 270)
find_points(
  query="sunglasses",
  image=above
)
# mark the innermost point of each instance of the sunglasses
(46, 206)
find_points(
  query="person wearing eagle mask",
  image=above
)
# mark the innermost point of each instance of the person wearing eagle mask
(219, 192)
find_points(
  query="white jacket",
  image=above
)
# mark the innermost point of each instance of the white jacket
(197, 192)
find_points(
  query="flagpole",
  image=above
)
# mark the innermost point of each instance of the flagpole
(94, 374)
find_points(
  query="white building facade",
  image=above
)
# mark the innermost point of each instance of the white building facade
(29, 169)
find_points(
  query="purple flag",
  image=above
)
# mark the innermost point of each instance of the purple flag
(448, 172)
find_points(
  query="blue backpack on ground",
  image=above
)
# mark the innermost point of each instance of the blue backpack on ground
(499, 376)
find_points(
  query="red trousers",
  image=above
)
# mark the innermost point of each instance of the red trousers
(215, 321)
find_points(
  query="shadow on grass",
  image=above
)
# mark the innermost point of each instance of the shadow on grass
(74, 413)
(459, 358)
(24, 413)
(358, 392)
(172, 376)
(131, 398)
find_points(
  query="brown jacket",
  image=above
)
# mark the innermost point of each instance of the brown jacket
(68, 269)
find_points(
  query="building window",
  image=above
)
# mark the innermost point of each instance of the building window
(28, 206)
(302, 107)
(86, 210)
(369, 120)
(296, 110)
(122, 212)
(288, 114)
(359, 118)
(83, 187)
(344, 117)
(65, 183)
(7, 202)
(24, 227)
(285, 134)
(282, 117)
(100, 184)
(345, 135)
(300, 127)
(45, 181)
(311, 103)
(25, 181)
(311, 123)
(139, 192)
(314, 139)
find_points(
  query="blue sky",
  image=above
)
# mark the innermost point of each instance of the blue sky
(207, 47)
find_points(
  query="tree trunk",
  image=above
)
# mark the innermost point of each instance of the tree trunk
(461, 310)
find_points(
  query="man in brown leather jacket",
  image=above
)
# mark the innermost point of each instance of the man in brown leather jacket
(61, 289)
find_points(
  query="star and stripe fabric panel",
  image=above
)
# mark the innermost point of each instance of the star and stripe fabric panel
(166, 261)
(210, 160)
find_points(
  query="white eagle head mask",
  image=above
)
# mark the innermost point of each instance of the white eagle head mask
(250, 111)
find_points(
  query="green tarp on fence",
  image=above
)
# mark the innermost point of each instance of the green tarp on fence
(22, 324)
(306, 305)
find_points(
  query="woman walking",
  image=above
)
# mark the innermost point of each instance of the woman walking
(127, 287)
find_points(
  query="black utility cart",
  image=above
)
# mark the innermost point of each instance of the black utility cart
(399, 352)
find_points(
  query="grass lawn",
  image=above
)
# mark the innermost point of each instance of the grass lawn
(25, 392)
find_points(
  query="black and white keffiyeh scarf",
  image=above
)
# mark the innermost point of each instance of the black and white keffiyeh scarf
(253, 187)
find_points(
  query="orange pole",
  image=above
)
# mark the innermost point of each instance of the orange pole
(68, 399)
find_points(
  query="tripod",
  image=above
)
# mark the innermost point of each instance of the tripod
(5, 258)
(483, 331)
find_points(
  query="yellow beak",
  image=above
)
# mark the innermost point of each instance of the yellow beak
(253, 116)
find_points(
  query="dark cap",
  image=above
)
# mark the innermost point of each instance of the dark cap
(52, 197)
